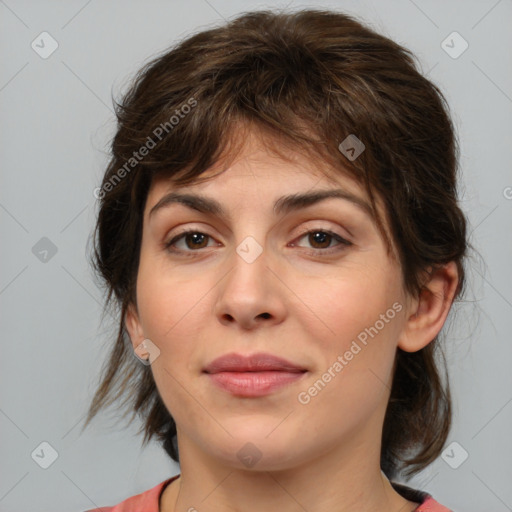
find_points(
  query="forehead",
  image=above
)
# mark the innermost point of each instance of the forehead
(259, 167)
(260, 162)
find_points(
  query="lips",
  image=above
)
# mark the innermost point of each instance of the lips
(260, 362)
(253, 376)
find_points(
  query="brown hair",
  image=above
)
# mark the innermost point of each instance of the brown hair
(310, 78)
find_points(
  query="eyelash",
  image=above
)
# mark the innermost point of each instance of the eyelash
(315, 252)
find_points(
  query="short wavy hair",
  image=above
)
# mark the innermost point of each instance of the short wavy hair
(310, 78)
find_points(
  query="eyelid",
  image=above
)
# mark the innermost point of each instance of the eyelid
(314, 228)
(343, 243)
(180, 234)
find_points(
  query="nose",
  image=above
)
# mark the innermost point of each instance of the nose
(251, 294)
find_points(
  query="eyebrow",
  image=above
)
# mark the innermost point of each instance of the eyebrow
(283, 205)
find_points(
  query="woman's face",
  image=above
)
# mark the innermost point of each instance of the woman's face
(269, 275)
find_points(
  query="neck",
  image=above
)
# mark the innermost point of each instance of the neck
(336, 481)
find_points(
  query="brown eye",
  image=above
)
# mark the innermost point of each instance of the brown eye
(195, 240)
(320, 240)
(192, 240)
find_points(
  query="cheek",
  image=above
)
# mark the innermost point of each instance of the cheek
(355, 327)
(173, 311)
(353, 381)
(339, 308)
(172, 303)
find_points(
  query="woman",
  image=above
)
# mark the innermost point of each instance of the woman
(280, 228)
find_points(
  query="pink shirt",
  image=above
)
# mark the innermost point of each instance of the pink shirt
(148, 501)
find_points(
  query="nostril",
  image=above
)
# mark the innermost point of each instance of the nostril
(265, 315)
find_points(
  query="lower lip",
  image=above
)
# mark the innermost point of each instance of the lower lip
(254, 383)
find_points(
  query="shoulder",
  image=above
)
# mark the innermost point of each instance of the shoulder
(148, 499)
(431, 505)
(426, 502)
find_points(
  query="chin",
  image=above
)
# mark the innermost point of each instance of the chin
(256, 451)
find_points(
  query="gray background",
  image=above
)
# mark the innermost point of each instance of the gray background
(57, 121)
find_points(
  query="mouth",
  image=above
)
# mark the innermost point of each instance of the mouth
(254, 375)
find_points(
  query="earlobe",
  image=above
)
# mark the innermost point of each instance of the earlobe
(133, 326)
(427, 314)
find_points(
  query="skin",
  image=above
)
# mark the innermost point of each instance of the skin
(323, 455)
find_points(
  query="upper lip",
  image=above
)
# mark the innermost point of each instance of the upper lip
(252, 363)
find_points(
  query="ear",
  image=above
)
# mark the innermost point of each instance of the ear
(428, 312)
(133, 326)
